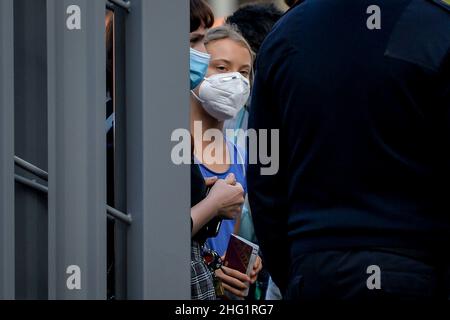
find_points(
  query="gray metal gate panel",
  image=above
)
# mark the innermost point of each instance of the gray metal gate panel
(30, 141)
(77, 172)
(158, 191)
(6, 150)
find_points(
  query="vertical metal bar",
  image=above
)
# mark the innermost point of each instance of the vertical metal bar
(7, 256)
(77, 144)
(120, 155)
(158, 191)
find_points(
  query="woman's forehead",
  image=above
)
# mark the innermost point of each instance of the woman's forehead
(230, 50)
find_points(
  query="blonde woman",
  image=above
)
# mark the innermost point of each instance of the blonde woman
(222, 94)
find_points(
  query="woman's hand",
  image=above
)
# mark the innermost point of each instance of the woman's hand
(236, 282)
(257, 267)
(224, 200)
(228, 196)
(233, 281)
(210, 181)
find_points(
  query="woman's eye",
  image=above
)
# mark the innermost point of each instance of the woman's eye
(195, 40)
(245, 73)
(221, 68)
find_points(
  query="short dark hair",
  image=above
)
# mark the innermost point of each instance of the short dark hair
(290, 3)
(254, 22)
(201, 13)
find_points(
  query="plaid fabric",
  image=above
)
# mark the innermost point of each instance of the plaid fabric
(202, 285)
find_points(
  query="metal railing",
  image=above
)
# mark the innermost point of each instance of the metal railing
(125, 218)
(31, 168)
(33, 184)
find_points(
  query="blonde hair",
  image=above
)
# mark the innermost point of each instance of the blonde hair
(230, 32)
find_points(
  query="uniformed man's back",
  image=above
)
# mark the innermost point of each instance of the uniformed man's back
(361, 93)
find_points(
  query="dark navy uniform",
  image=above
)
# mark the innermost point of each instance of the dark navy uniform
(364, 119)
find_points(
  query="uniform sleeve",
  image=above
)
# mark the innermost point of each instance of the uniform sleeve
(265, 192)
(446, 98)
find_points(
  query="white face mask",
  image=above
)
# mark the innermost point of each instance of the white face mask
(223, 95)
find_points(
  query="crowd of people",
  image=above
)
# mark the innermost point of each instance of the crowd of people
(363, 116)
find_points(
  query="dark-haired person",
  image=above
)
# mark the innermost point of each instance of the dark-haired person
(290, 3)
(225, 197)
(360, 91)
(202, 18)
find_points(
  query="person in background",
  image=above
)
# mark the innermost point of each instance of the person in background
(220, 96)
(225, 197)
(254, 22)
